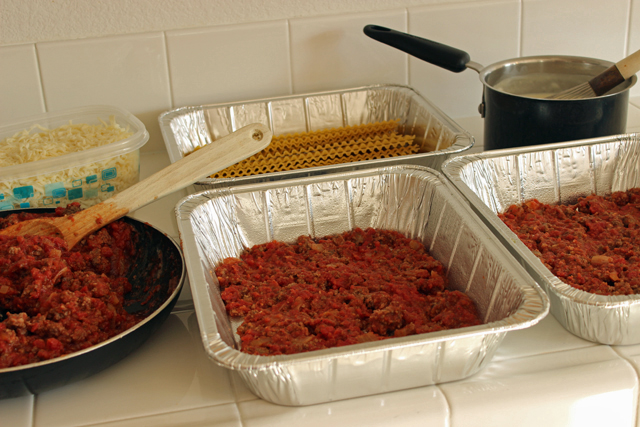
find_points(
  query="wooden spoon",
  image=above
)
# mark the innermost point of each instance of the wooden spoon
(212, 158)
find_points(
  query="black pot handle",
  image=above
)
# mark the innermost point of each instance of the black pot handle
(443, 56)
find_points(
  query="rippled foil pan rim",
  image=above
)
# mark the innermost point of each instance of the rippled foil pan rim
(570, 302)
(463, 140)
(533, 308)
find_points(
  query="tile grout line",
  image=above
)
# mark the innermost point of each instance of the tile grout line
(290, 54)
(407, 59)
(447, 420)
(168, 70)
(635, 369)
(43, 98)
(156, 414)
(33, 410)
(521, 29)
(627, 39)
(545, 353)
(239, 413)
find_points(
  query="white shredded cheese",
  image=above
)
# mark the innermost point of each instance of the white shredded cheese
(88, 184)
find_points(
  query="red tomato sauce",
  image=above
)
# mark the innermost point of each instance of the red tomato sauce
(55, 301)
(592, 245)
(359, 286)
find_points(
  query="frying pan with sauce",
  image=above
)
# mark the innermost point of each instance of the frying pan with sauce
(157, 276)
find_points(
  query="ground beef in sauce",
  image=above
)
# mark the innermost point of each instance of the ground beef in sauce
(592, 245)
(54, 301)
(338, 290)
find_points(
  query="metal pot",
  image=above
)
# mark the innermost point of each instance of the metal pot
(513, 105)
(156, 276)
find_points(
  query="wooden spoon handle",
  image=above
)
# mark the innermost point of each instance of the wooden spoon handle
(212, 158)
(616, 74)
(629, 65)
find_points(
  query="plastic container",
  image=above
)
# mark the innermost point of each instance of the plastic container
(88, 176)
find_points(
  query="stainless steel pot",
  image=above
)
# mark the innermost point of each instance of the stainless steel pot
(513, 105)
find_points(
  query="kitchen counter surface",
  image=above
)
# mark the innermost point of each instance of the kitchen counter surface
(542, 375)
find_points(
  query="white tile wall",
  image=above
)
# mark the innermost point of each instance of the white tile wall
(148, 73)
(20, 88)
(229, 63)
(128, 71)
(332, 52)
(594, 28)
(634, 28)
(488, 31)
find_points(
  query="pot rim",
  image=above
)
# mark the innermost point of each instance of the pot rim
(487, 71)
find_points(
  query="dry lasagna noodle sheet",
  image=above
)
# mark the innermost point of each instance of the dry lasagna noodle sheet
(326, 147)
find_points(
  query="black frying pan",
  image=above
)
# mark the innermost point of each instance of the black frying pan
(157, 273)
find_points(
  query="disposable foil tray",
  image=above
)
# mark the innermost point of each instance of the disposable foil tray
(185, 129)
(557, 174)
(417, 201)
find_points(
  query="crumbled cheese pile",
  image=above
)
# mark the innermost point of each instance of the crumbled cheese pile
(29, 146)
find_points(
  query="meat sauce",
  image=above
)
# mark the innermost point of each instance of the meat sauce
(592, 245)
(55, 301)
(359, 286)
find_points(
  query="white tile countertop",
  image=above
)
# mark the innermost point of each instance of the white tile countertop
(542, 375)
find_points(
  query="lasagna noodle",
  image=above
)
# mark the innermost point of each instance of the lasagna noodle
(318, 157)
(307, 140)
(324, 148)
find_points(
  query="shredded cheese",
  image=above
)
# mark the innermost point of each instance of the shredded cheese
(27, 146)
(85, 183)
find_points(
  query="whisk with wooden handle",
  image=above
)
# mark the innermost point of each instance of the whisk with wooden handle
(605, 81)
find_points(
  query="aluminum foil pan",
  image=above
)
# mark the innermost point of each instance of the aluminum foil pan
(414, 200)
(187, 128)
(557, 173)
